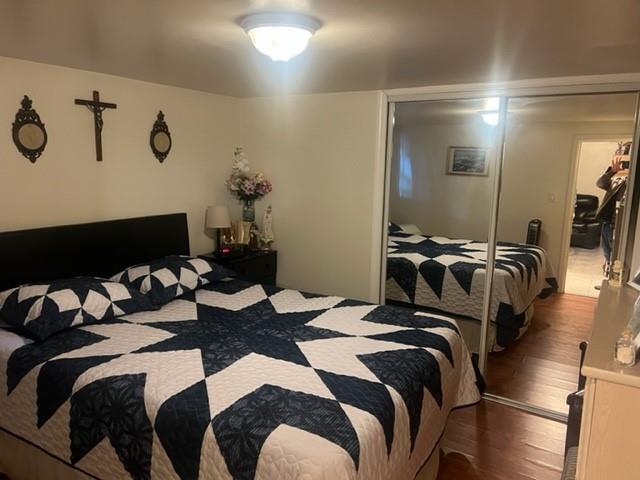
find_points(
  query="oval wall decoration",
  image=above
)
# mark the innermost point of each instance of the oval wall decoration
(29, 134)
(160, 139)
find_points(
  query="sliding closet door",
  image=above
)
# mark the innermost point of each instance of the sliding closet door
(442, 174)
(553, 239)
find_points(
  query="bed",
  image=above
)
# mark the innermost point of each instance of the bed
(448, 275)
(229, 380)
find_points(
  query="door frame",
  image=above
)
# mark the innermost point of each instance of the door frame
(578, 140)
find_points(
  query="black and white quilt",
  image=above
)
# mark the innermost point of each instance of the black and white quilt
(237, 380)
(449, 275)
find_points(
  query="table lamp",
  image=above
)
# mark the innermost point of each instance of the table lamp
(218, 218)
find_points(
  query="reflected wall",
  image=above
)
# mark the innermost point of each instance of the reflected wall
(422, 192)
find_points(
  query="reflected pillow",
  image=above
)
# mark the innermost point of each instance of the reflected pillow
(410, 228)
(169, 277)
(43, 309)
(394, 228)
(404, 228)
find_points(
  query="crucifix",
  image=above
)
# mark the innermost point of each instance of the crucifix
(97, 107)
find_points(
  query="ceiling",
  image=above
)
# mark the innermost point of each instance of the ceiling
(362, 45)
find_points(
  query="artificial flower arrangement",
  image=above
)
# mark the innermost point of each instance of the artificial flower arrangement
(243, 184)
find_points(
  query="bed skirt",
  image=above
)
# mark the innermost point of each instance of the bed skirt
(429, 470)
(20, 460)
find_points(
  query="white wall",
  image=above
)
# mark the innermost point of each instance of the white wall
(321, 153)
(538, 162)
(67, 185)
(593, 160)
(455, 206)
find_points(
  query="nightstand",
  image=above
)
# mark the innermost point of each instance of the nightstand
(257, 266)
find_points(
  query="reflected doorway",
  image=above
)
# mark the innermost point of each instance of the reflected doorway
(587, 263)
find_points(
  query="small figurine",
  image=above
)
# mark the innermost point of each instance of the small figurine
(254, 237)
(267, 235)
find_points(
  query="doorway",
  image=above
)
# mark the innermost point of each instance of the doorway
(586, 266)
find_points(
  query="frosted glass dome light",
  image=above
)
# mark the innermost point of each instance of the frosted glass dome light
(280, 36)
(490, 114)
(491, 118)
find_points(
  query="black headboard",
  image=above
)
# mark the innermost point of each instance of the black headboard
(99, 249)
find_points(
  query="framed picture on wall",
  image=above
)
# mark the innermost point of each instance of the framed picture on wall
(468, 161)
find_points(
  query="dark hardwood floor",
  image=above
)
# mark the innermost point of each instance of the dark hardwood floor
(491, 441)
(542, 367)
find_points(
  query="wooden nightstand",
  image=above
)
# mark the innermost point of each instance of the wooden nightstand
(259, 266)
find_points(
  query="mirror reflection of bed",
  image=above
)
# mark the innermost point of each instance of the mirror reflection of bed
(438, 273)
(434, 206)
(546, 275)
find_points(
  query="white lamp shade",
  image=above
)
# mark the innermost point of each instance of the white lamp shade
(217, 217)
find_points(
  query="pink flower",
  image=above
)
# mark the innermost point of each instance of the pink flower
(246, 187)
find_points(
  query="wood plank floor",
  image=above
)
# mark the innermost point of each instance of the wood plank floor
(542, 367)
(494, 442)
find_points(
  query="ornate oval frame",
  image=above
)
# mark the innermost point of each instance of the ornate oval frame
(24, 116)
(160, 126)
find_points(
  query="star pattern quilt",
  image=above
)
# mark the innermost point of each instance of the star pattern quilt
(238, 380)
(449, 275)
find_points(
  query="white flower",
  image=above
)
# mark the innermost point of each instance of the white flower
(240, 162)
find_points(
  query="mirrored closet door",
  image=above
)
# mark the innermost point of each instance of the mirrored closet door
(442, 175)
(561, 208)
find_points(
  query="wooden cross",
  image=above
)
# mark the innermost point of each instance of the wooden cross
(97, 107)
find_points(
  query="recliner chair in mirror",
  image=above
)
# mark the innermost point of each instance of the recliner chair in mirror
(585, 231)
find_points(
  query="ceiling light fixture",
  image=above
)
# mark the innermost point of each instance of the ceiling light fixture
(492, 103)
(491, 118)
(280, 36)
(490, 114)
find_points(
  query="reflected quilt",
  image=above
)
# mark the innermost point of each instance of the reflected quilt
(449, 275)
(238, 380)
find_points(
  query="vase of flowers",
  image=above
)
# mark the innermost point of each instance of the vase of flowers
(246, 186)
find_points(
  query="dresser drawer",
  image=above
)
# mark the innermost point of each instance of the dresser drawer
(257, 267)
(260, 269)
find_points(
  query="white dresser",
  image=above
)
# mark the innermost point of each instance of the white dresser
(610, 429)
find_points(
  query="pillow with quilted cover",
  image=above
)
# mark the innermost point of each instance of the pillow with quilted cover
(169, 277)
(42, 309)
(394, 228)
